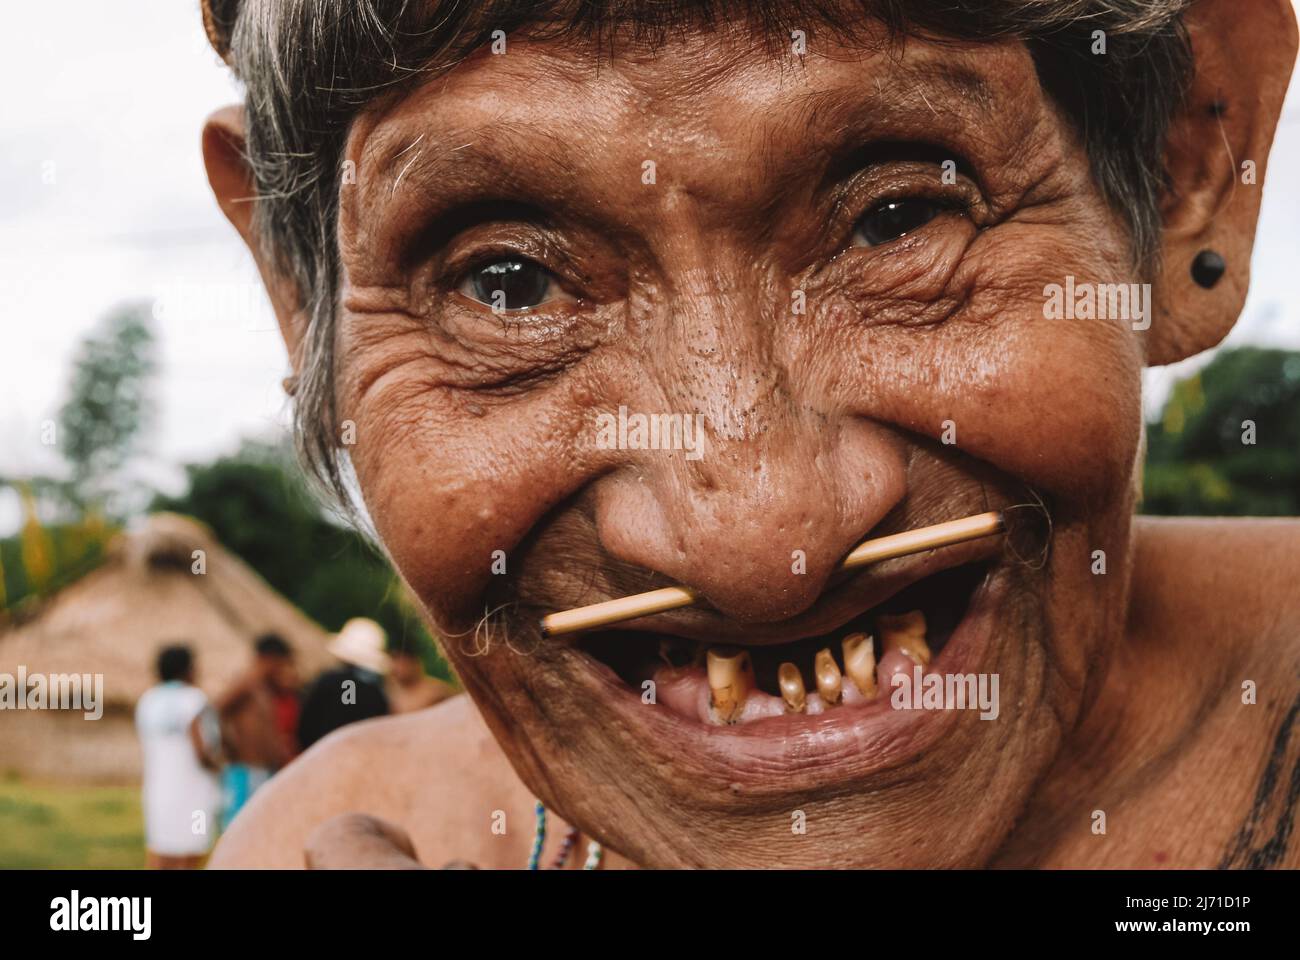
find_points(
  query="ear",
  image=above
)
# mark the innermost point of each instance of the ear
(1244, 53)
(233, 185)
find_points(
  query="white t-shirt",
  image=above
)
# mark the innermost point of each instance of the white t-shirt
(181, 798)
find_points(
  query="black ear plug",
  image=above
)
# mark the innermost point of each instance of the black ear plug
(1207, 268)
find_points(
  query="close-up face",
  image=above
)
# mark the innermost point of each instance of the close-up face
(616, 435)
(756, 406)
(835, 265)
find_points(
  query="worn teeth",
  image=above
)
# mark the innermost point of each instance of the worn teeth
(731, 678)
(829, 683)
(905, 632)
(792, 692)
(734, 693)
(860, 663)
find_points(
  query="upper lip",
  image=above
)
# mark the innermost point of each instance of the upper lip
(837, 606)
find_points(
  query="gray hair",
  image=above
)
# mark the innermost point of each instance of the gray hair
(309, 66)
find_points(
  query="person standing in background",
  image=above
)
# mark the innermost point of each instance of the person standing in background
(351, 692)
(286, 705)
(253, 717)
(181, 794)
(409, 688)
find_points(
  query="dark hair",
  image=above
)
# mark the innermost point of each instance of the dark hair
(310, 67)
(272, 645)
(175, 662)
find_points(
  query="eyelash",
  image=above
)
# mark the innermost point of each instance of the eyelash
(961, 198)
(455, 273)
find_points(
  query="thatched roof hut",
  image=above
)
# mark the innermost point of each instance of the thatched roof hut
(113, 621)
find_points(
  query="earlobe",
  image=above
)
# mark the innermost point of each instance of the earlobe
(1216, 154)
(235, 190)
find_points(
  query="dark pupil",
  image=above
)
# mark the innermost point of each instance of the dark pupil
(893, 220)
(524, 283)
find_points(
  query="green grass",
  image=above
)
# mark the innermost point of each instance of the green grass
(50, 826)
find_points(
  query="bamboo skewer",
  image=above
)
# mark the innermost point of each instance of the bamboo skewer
(870, 551)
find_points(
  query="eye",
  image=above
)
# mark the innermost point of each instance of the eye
(509, 284)
(895, 219)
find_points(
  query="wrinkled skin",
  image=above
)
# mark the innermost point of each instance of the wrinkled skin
(476, 433)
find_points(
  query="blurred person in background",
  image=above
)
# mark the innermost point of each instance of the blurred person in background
(181, 792)
(257, 714)
(350, 692)
(409, 688)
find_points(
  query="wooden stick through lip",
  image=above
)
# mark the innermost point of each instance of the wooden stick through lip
(870, 551)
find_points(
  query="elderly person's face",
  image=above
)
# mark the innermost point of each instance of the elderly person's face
(779, 246)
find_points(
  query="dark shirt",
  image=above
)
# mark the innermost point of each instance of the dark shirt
(330, 703)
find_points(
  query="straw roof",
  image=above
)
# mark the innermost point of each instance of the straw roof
(144, 596)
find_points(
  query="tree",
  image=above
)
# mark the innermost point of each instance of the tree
(107, 404)
(1228, 440)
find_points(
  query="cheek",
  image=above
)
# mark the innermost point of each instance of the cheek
(450, 479)
(1053, 402)
(1056, 403)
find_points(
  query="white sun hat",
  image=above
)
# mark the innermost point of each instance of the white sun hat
(361, 643)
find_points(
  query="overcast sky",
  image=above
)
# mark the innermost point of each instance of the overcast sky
(103, 200)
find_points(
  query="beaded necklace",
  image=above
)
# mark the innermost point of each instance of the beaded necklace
(594, 851)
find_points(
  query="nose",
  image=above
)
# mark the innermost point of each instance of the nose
(756, 528)
(759, 515)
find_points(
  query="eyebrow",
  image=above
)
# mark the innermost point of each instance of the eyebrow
(906, 93)
(422, 162)
(848, 117)
(461, 170)
(957, 78)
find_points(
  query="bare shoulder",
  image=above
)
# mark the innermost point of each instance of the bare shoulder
(1215, 611)
(438, 773)
(1238, 574)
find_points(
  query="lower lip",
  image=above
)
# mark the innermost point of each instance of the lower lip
(842, 743)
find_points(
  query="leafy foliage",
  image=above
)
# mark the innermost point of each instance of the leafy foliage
(41, 560)
(1198, 460)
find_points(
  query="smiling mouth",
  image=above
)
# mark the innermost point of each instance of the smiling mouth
(845, 671)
